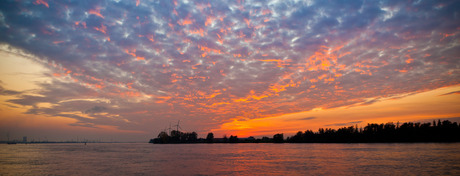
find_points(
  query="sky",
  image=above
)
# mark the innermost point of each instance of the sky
(119, 70)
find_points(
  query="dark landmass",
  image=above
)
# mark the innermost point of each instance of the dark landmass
(52, 142)
(444, 131)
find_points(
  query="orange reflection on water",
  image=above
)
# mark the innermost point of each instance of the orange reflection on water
(229, 159)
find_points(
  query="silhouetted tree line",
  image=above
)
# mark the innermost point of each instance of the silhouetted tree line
(444, 131)
(175, 137)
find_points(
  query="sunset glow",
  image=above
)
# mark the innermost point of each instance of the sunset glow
(126, 70)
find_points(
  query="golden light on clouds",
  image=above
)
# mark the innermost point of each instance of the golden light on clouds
(435, 104)
(20, 73)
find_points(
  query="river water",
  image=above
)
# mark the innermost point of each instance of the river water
(230, 159)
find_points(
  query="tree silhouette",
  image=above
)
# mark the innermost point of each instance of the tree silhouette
(163, 137)
(278, 138)
(233, 139)
(210, 138)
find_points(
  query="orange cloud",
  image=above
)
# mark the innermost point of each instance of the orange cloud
(409, 59)
(38, 2)
(185, 21)
(82, 23)
(102, 29)
(150, 37)
(96, 12)
(207, 50)
(197, 31)
(445, 35)
(209, 20)
(266, 12)
(248, 23)
(131, 52)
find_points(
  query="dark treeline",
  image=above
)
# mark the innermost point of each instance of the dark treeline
(444, 131)
(175, 137)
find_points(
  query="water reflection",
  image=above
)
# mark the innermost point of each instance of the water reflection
(230, 159)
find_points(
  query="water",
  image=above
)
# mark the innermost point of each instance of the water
(230, 159)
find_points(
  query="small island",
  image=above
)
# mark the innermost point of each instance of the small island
(440, 131)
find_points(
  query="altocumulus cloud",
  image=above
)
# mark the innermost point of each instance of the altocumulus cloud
(131, 64)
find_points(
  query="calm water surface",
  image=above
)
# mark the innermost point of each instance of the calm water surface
(230, 159)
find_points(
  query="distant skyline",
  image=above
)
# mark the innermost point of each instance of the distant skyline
(115, 70)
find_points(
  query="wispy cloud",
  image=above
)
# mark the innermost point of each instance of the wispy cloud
(302, 119)
(344, 124)
(450, 93)
(4, 91)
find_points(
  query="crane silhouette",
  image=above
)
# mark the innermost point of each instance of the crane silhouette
(177, 126)
(169, 128)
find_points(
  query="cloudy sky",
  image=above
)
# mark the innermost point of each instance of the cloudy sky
(125, 70)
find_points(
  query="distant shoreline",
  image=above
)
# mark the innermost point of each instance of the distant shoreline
(4, 143)
(436, 132)
(57, 142)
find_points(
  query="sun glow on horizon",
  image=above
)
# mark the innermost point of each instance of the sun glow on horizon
(419, 107)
